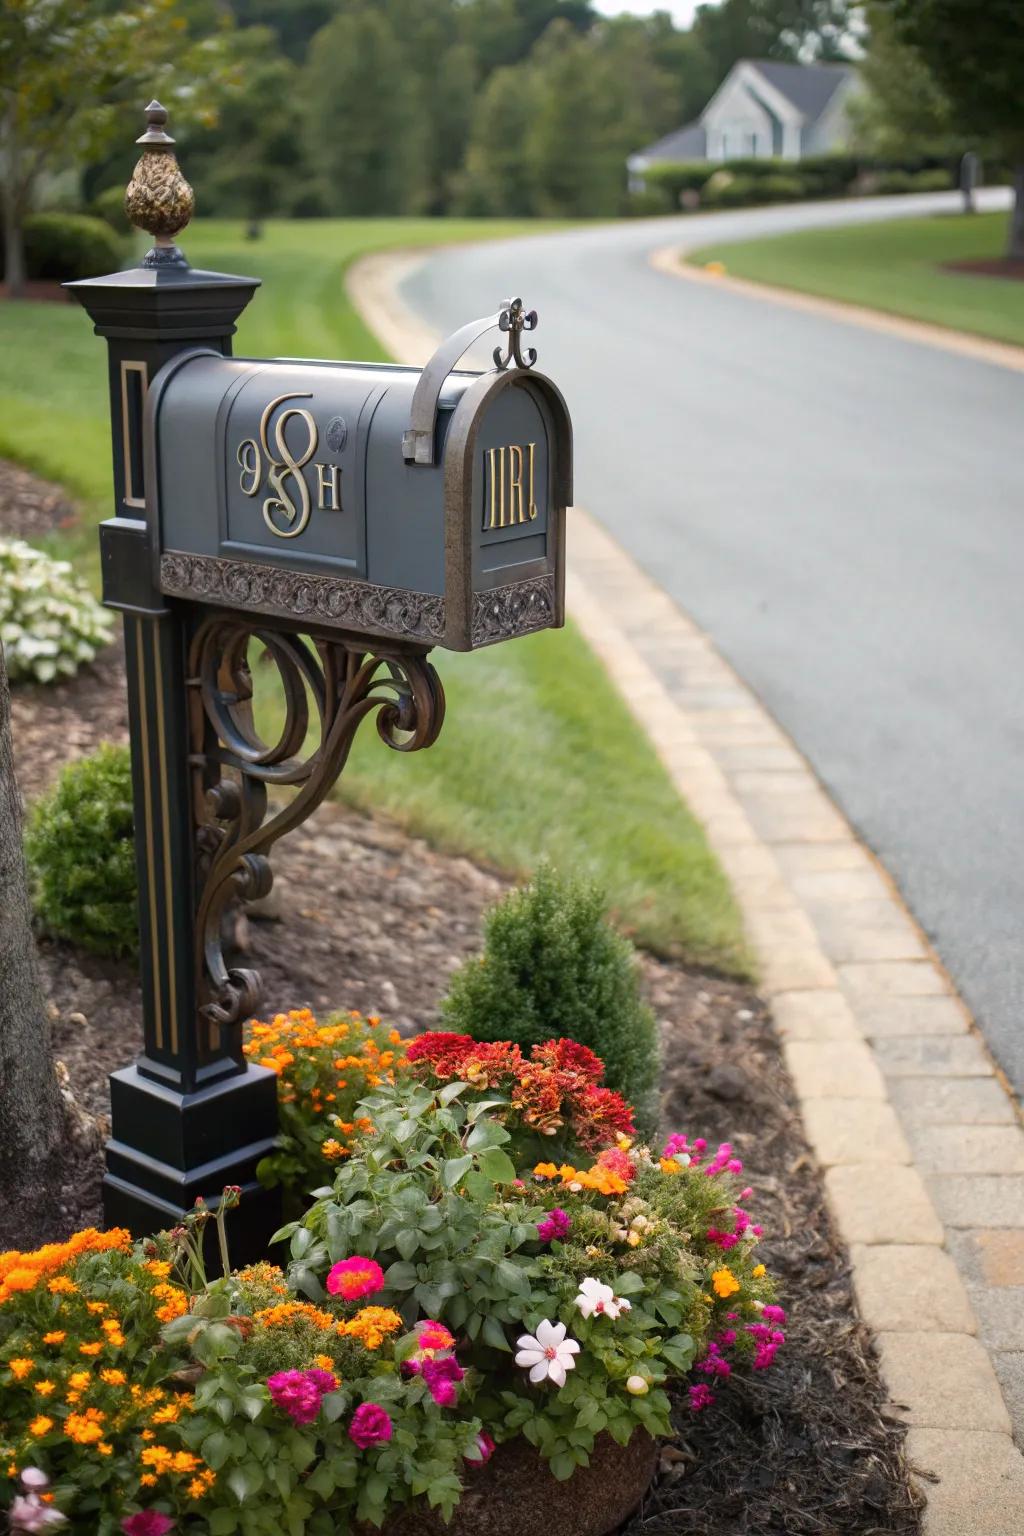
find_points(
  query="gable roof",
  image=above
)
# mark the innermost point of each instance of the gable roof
(810, 87)
(687, 143)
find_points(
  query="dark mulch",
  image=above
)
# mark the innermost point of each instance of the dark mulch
(30, 508)
(365, 916)
(996, 266)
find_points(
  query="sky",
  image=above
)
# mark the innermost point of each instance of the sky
(681, 10)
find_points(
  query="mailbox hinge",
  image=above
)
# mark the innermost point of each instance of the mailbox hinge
(512, 318)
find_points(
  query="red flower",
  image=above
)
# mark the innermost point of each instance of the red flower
(617, 1161)
(570, 1056)
(440, 1049)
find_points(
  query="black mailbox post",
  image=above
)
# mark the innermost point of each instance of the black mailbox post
(346, 516)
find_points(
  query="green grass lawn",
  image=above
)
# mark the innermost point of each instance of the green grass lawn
(539, 756)
(894, 266)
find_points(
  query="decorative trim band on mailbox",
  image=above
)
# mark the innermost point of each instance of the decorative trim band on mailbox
(514, 610)
(355, 605)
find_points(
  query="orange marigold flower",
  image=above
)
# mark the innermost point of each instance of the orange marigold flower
(79, 1380)
(113, 1378)
(148, 1480)
(44, 1388)
(84, 1428)
(158, 1267)
(169, 1413)
(96, 1306)
(724, 1282)
(333, 1150)
(158, 1457)
(184, 1461)
(89, 1349)
(61, 1286)
(324, 1362)
(55, 1336)
(20, 1367)
(288, 1312)
(40, 1425)
(546, 1171)
(371, 1325)
(105, 1448)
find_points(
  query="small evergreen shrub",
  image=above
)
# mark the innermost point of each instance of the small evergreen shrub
(49, 622)
(108, 205)
(81, 856)
(63, 247)
(553, 966)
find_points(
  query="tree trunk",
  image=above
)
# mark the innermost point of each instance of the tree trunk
(14, 255)
(1016, 246)
(31, 1114)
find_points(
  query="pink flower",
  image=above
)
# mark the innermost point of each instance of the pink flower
(701, 1396)
(484, 1449)
(355, 1277)
(370, 1426)
(441, 1377)
(148, 1522)
(773, 1314)
(555, 1224)
(298, 1393)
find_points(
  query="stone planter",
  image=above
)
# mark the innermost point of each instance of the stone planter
(514, 1494)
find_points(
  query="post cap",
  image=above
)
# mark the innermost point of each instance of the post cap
(156, 120)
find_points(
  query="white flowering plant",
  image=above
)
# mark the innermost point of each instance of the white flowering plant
(50, 623)
(580, 1288)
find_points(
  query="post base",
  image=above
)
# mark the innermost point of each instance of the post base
(195, 1144)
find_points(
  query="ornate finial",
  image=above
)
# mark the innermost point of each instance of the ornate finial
(515, 320)
(158, 198)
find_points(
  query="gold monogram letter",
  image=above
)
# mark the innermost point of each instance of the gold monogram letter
(248, 456)
(286, 466)
(328, 482)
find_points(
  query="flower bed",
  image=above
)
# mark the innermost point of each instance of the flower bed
(496, 1262)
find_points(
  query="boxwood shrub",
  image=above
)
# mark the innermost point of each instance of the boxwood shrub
(62, 247)
(81, 855)
(554, 967)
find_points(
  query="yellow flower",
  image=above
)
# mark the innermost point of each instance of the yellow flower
(324, 1362)
(20, 1367)
(158, 1267)
(758, 1271)
(44, 1388)
(633, 1239)
(113, 1378)
(79, 1380)
(105, 1449)
(148, 1480)
(40, 1425)
(61, 1286)
(84, 1428)
(96, 1306)
(725, 1283)
(371, 1325)
(57, 1336)
(669, 1165)
(166, 1415)
(158, 1457)
(184, 1461)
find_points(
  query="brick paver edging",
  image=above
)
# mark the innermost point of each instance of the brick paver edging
(921, 1145)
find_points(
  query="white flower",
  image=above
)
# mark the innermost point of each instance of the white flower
(637, 1385)
(549, 1355)
(597, 1298)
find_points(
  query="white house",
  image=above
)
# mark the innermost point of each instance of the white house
(763, 110)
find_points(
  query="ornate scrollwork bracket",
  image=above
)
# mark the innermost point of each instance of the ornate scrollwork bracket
(514, 320)
(329, 686)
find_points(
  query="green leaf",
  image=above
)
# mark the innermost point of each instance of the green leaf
(407, 1242)
(400, 1277)
(511, 1276)
(496, 1165)
(563, 1466)
(222, 1522)
(486, 1133)
(245, 1480)
(453, 1170)
(476, 1110)
(494, 1334)
(451, 1091)
(629, 1283)
(216, 1449)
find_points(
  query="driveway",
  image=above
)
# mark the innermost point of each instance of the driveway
(843, 512)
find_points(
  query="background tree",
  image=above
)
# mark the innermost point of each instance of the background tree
(976, 54)
(31, 1115)
(69, 67)
(902, 112)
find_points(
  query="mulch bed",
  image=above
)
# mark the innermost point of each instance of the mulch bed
(363, 915)
(996, 266)
(36, 290)
(31, 508)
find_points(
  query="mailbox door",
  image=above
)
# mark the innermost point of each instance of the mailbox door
(508, 481)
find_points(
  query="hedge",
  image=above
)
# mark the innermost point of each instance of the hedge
(741, 183)
(62, 247)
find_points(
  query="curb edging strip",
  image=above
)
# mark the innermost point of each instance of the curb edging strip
(900, 1100)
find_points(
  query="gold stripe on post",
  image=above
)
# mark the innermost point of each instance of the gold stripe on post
(140, 671)
(130, 499)
(172, 980)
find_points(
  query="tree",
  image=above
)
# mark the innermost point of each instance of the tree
(363, 127)
(68, 68)
(902, 112)
(31, 1116)
(976, 54)
(496, 178)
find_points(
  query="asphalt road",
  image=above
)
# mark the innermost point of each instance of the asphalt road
(843, 511)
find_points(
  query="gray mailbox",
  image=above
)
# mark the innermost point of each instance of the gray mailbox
(426, 504)
(338, 521)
